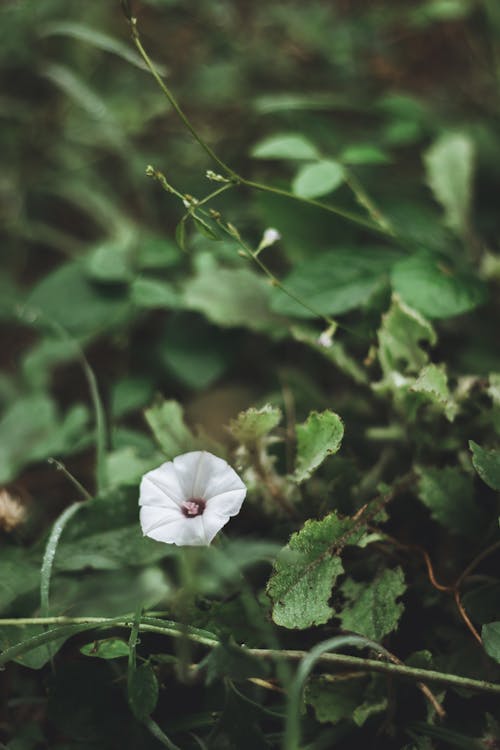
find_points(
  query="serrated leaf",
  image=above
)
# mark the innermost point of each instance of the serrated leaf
(353, 699)
(401, 335)
(109, 648)
(320, 436)
(252, 425)
(320, 178)
(487, 464)
(491, 640)
(143, 691)
(433, 383)
(449, 166)
(371, 608)
(166, 420)
(285, 146)
(449, 495)
(232, 297)
(435, 289)
(306, 570)
(335, 281)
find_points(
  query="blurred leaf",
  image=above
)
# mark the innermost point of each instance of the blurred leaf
(110, 262)
(487, 464)
(130, 394)
(332, 701)
(149, 293)
(195, 352)
(320, 436)
(143, 691)
(364, 153)
(449, 495)
(109, 648)
(82, 307)
(205, 229)
(336, 281)
(491, 640)
(401, 335)
(336, 353)
(230, 660)
(156, 252)
(232, 297)
(371, 608)
(320, 178)
(285, 146)
(19, 574)
(125, 466)
(434, 289)
(306, 569)
(253, 424)
(166, 420)
(449, 166)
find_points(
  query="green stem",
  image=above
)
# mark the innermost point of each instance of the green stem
(74, 481)
(172, 629)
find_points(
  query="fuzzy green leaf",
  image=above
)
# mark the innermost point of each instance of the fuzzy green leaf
(371, 609)
(433, 383)
(487, 464)
(306, 570)
(320, 436)
(252, 425)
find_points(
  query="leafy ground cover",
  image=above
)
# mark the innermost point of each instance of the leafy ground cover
(269, 232)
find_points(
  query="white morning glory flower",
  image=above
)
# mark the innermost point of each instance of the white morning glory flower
(188, 500)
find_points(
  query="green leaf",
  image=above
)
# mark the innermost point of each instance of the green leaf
(306, 570)
(152, 293)
(129, 394)
(166, 420)
(320, 436)
(449, 164)
(109, 648)
(232, 297)
(143, 691)
(110, 262)
(19, 574)
(487, 464)
(433, 383)
(332, 701)
(155, 252)
(320, 178)
(180, 233)
(363, 153)
(82, 307)
(335, 281)
(125, 466)
(401, 335)
(371, 608)
(253, 424)
(204, 228)
(285, 146)
(335, 353)
(434, 289)
(449, 495)
(491, 640)
(230, 660)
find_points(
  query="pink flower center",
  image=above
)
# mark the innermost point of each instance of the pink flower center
(193, 507)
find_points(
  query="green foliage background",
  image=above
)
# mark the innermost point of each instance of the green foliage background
(350, 372)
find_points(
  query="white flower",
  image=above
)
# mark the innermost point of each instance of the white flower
(188, 500)
(269, 237)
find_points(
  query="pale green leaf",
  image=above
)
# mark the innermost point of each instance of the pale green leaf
(252, 425)
(318, 437)
(306, 570)
(449, 495)
(364, 153)
(320, 178)
(449, 164)
(149, 293)
(110, 262)
(487, 464)
(371, 608)
(435, 289)
(285, 146)
(166, 420)
(401, 335)
(433, 383)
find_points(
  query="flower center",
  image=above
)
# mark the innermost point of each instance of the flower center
(193, 507)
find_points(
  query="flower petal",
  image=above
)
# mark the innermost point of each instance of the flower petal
(161, 487)
(153, 517)
(227, 503)
(212, 523)
(194, 471)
